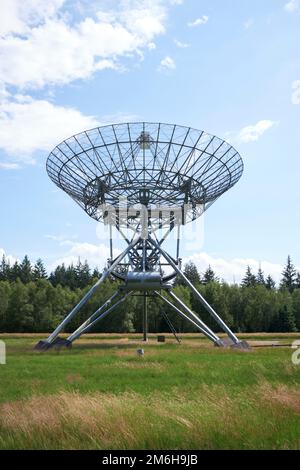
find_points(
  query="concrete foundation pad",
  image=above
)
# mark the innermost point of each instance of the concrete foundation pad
(58, 343)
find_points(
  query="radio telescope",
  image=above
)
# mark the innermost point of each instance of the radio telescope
(146, 179)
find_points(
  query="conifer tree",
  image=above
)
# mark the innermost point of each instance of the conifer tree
(250, 279)
(58, 277)
(39, 271)
(191, 272)
(209, 276)
(71, 277)
(83, 274)
(26, 270)
(286, 320)
(289, 276)
(15, 272)
(4, 269)
(297, 282)
(96, 273)
(270, 283)
(260, 278)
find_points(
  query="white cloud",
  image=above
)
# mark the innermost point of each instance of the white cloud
(41, 45)
(118, 117)
(18, 16)
(44, 47)
(144, 19)
(254, 132)
(296, 92)
(9, 166)
(292, 5)
(151, 46)
(96, 255)
(60, 238)
(248, 23)
(167, 64)
(230, 270)
(4, 94)
(198, 21)
(11, 259)
(234, 270)
(182, 45)
(28, 125)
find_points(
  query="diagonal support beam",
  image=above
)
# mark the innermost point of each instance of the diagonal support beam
(168, 321)
(186, 317)
(94, 315)
(205, 304)
(89, 294)
(194, 317)
(80, 331)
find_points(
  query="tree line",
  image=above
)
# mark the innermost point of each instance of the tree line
(33, 301)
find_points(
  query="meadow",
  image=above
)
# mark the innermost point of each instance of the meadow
(102, 395)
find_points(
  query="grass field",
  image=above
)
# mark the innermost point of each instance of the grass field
(102, 395)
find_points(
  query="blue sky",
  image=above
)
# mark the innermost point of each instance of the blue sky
(229, 67)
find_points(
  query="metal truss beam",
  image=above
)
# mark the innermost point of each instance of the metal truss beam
(194, 322)
(205, 304)
(89, 294)
(81, 330)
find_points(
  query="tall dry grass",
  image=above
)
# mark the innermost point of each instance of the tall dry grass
(216, 418)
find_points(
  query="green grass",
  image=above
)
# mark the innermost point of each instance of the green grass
(102, 395)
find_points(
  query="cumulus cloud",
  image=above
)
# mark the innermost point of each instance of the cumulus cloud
(28, 125)
(38, 46)
(181, 45)
(42, 45)
(250, 133)
(198, 21)
(234, 270)
(292, 5)
(60, 238)
(167, 64)
(9, 258)
(9, 166)
(119, 117)
(151, 46)
(18, 16)
(96, 255)
(231, 271)
(296, 92)
(254, 132)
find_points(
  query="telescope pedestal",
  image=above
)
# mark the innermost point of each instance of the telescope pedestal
(141, 280)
